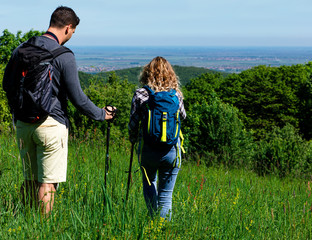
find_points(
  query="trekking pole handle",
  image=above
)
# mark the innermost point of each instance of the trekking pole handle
(113, 111)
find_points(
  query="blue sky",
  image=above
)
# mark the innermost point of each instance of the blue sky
(171, 22)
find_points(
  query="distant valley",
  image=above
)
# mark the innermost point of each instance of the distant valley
(225, 59)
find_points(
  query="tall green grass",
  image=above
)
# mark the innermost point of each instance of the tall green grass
(209, 203)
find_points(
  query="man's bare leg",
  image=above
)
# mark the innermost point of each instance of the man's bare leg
(46, 197)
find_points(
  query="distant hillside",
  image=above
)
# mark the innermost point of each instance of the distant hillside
(132, 74)
(187, 73)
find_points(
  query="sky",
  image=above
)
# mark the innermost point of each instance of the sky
(171, 22)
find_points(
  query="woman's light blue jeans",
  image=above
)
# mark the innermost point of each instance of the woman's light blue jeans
(158, 195)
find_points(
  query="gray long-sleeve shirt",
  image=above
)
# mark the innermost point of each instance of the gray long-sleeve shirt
(66, 85)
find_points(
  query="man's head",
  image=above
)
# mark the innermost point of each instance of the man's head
(63, 23)
(63, 16)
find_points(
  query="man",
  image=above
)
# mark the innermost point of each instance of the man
(43, 144)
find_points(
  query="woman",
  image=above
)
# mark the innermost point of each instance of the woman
(159, 76)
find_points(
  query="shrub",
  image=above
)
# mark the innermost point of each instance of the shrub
(283, 152)
(215, 131)
(5, 115)
(115, 92)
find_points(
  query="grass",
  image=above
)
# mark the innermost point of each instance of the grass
(209, 203)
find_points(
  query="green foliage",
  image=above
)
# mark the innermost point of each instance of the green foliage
(283, 152)
(9, 41)
(115, 92)
(272, 103)
(269, 96)
(132, 74)
(85, 79)
(215, 132)
(304, 94)
(5, 115)
(201, 90)
(213, 129)
(185, 74)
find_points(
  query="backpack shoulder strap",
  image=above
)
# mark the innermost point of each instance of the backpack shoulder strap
(149, 90)
(32, 40)
(60, 50)
(173, 91)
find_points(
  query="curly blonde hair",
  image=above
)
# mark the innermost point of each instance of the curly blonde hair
(160, 76)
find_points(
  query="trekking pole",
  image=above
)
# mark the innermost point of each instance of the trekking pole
(107, 152)
(114, 111)
(129, 174)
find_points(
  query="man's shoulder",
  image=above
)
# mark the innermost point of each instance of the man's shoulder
(52, 45)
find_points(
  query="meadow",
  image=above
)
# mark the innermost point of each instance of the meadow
(208, 203)
(254, 122)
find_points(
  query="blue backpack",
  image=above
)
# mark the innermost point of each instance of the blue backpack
(161, 125)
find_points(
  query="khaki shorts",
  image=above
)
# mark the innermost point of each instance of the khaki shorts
(43, 149)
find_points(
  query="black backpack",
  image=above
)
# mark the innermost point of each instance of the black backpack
(31, 97)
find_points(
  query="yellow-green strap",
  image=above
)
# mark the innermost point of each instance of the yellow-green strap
(177, 125)
(149, 121)
(164, 128)
(182, 139)
(177, 157)
(149, 183)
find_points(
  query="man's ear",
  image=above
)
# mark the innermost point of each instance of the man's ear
(67, 28)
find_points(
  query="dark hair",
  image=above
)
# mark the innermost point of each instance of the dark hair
(63, 16)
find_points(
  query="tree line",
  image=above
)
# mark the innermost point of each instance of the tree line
(258, 119)
(185, 73)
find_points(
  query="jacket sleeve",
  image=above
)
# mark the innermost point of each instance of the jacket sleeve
(181, 107)
(75, 93)
(134, 121)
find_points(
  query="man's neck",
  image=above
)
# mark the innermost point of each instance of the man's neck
(54, 33)
(52, 36)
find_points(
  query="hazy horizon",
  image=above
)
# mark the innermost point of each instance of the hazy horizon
(229, 59)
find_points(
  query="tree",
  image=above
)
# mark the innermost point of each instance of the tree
(266, 96)
(305, 102)
(9, 41)
(201, 89)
